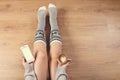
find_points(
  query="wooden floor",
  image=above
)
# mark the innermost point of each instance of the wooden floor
(90, 31)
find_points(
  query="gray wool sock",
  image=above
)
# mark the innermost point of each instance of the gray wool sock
(55, 33)
(29, 72)
(41, 18)
(40, 33)
(53, 16)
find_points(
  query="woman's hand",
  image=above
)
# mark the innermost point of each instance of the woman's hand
(61, 71)
(29, 70)
(24, 63)
(64, 65)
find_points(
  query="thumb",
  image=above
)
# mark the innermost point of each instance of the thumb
(67, 64)
(23, 61)
(59, 63)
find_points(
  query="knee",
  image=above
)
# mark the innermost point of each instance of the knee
(41, 55)
(54, 56)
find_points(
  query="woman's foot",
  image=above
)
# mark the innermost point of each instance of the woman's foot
(41, 18)
(55, 33)
(52, 16)
(40, 33)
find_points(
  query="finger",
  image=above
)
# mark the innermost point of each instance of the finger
(32, 64)
(65, 65)
(69, 60)
(59, 63)
(23, 61)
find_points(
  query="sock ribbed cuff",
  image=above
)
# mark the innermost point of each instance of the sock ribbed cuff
(40, 35)
(55, 35)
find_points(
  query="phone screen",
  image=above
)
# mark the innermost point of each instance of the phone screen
(27, 53)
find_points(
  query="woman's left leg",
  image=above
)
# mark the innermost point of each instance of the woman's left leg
(55, 40)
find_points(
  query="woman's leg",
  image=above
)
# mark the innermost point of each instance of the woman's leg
(55, 40)
(55, 51)
(41, 62)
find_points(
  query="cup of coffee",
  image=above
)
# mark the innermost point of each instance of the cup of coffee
(63, 58)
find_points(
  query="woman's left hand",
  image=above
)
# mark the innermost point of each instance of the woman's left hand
(24, 63)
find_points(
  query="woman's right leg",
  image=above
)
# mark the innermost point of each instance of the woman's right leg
(41, 62)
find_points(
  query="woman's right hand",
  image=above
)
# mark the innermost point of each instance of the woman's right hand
(61, 71)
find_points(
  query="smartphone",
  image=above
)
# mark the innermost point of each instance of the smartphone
(27, 54)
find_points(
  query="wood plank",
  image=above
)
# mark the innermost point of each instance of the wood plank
(90, 31)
